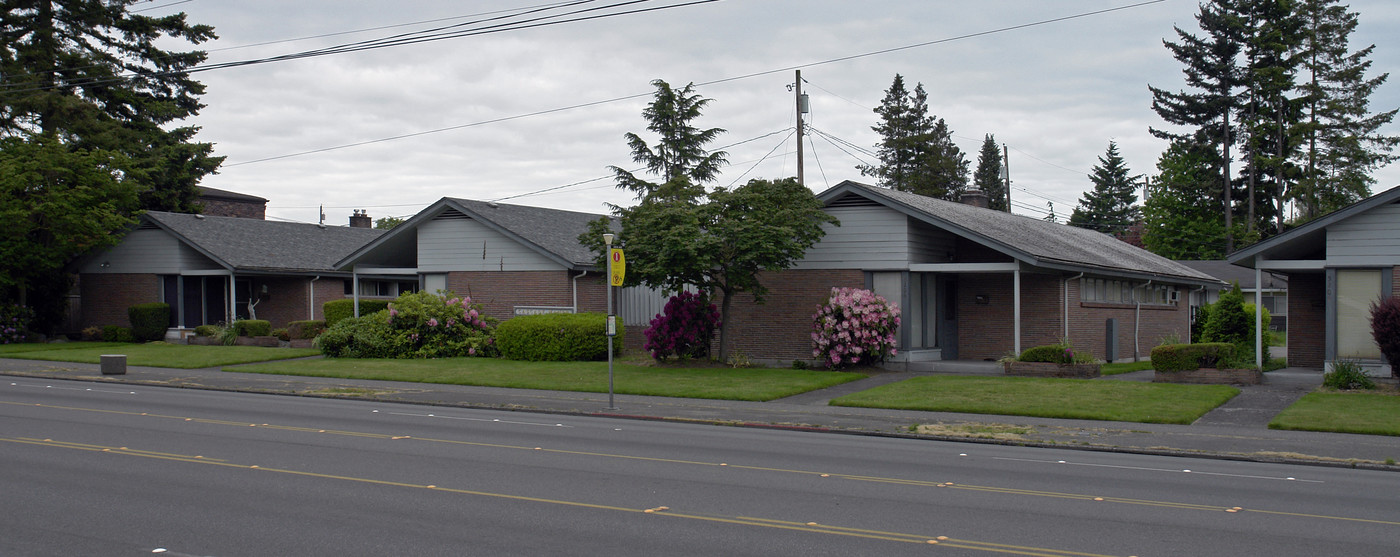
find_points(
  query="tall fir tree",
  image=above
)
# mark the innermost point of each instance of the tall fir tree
(1176, 225)
(988, 177)
(1268, 130)
(1212, 71)
(94, 75)
(916, 150)
(679, 158)
(1341, 143)
(1111, 207)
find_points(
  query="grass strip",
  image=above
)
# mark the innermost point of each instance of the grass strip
(754, 384)
(7, 349)
(160, 354)
(1157, 403)
(1124, 367)
(1343, 412)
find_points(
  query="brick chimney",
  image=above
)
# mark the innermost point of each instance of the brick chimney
(361, 219)
(976, 198)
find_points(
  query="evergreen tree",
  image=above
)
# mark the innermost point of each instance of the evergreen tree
(1112, 205)
(91, 74)
(1177, 225)
(988, 175)
(1340, 140)
(916, 150)
(1210, 65)
(679, 157)
(1269, 140)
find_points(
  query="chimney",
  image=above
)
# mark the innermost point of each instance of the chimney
(976, 198)
(361, 219)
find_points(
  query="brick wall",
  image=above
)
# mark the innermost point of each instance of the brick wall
(106, 297)
(985, 330)
(240, 209)
(284, 302)
(1089, 325)
(500, 291)
(780, 329)
(325, 290)
(1307, 310)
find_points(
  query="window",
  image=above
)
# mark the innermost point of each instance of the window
(1112, 291)
(382, 288)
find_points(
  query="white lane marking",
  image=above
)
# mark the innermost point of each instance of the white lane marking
(1287, 479)
(474, 419)
(73, 389)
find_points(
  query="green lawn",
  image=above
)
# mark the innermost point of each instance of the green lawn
(1125, 367)
(1163, 403)
(757, 384)
(6, 349)
(159, 354)
(1374, 413)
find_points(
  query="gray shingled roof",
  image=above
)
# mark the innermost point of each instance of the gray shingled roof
(1223, 270)
(216, 193)
(1035, 241)
(551, 230)
(262, 245)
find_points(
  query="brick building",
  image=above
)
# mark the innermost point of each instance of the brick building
(1337, 266)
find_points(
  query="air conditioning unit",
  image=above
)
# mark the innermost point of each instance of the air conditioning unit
(1173, 296)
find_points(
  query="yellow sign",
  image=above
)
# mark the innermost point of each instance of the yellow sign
(617, 266)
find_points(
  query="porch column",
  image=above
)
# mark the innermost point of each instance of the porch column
(1016, 306)
(355, 289)
(1258, 315)
(232, 299)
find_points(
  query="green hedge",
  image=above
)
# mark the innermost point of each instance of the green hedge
(306, 329)
(253, 327)
(335, 310)
(149, 321)
(117, 333)
(559, 337)
(1050, 353)
(207, 330)
(1186, 357)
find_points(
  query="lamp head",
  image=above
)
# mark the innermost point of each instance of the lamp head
(607, 239)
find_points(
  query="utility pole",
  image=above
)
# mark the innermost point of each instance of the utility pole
(1006, 174)
(799, 101)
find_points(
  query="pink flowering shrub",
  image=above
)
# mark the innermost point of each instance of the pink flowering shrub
(683, 329)
(854, 327)
(14, 323)
(416, 325)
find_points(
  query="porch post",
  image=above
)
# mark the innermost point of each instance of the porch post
(1016, 303)
(1258, 315)
(232, 298)
(355, 289)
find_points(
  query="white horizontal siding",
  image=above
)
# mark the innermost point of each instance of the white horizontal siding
(467, 245)
(1370, 238)
(148, 251)
(868, 238)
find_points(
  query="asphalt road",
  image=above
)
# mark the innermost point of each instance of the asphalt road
(107, 469)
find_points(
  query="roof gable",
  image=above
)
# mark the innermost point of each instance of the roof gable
(1310, 238)
(1036, 242)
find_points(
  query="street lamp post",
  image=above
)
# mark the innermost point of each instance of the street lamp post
(611, 326)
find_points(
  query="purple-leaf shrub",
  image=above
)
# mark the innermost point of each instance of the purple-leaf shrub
(14, 323)
(1385, 329)
(854, 327)
(683, 329)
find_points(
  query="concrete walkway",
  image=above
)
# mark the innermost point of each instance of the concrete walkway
(1236, 430)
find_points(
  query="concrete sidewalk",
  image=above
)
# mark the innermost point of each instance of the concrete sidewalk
(1236, 430)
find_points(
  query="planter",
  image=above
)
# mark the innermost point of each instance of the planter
(301, 342)
(201, 341)
(1210, 376)
(269, 341)
(1045, 369)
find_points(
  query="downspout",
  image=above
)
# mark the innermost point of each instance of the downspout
(311, 298)
(1066, 300)
(575, 281)
(1137, 322)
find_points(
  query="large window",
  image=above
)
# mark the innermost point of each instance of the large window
(1115, 291)
(383, 288)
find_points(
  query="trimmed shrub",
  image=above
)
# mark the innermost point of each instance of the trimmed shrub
(1050, 353)
(1385, 329)
(683, 329)
(855, 326)
(253, 327)
(557, 337)
(117, 333)
(306, 329)
(416, 325)
(335, 310)
(281, 335)
(14, 323)
(149, 321)
(1186, 357)
(92, 333)
(207, 330)
(1347, 375)
(357, 337)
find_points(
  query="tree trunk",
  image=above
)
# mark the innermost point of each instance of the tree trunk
(724, 322)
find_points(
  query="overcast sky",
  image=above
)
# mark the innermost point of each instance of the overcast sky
(1053, 87)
